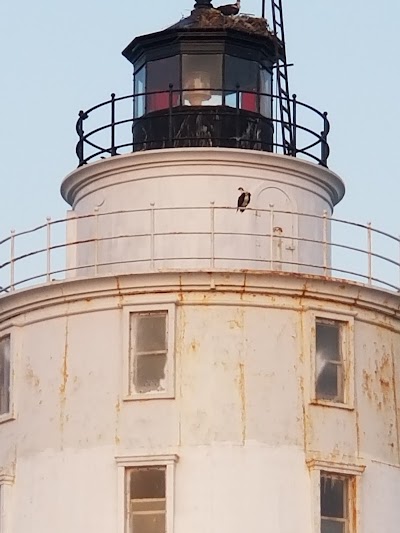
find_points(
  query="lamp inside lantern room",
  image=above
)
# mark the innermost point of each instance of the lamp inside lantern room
(197, 88)
(202, 79)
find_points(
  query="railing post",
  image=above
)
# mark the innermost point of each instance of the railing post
(237, 130)
(369, 237)
(79, 131)
(170, 105)
(96, 241)
(212, 234)
(12, 260)
(325, 240)
(48, 248)
(113, 149)
(271, 242)
(152, 231)
(294, 120)
(399, 263)
(324, 141)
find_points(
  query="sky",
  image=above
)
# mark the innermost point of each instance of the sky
(60, 57)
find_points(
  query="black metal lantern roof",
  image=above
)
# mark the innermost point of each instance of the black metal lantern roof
(208, 25)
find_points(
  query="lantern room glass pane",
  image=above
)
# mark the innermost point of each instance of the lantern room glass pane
(140, 88)
(243, 73)
(160, 75)
(266, 90)
(202, 79)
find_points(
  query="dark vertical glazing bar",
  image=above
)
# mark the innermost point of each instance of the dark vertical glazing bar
(113, 149)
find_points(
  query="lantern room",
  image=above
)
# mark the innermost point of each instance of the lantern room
(206, 81)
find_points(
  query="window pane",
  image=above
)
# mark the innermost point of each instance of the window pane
(328, 526)
(202, 79)
(333, 496)
(4, 375)
(266, 88)
(328, 341)
(151, 332)
(148, 505)
(147, 523)
(147, 482)
(150, 372)
(329, 381)
(242, 72)
(140, 87)
(160, 74)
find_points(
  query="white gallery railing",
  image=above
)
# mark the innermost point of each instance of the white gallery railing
(199, 238)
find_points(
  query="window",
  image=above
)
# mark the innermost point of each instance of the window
(5, 375)
(6, 482)
(146, 493)
(331, 347)
(329, 360)
(334, 502)
(335, 495)
(150, 350)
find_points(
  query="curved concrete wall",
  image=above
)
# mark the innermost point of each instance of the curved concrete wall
(242, 421)
(178, 181)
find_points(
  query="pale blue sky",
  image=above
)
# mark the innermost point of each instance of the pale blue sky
(59, 57)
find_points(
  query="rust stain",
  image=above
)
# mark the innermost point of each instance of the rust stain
(353, 504)
(306, 420)
(64, 383)
(31, 377)
(194, 345)
(396, 410)
(242, 395)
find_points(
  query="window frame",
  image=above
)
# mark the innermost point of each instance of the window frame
(353, 472)
(6, 483)
(9, 415)
(347, 348)
(128, 389)
(126, 463)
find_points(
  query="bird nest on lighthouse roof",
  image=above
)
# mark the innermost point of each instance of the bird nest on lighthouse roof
(214, 19)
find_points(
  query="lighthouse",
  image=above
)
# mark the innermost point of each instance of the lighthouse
(208, 356)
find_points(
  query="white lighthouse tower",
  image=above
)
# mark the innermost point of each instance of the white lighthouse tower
(191, 366)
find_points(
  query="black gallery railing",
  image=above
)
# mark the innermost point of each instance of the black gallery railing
(165, 119)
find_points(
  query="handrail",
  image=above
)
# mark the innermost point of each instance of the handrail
(25, 262)
(93, 144)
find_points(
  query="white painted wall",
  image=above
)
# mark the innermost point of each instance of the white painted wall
(241, 423)
(193, 178)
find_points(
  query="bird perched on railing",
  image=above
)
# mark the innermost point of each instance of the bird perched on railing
(243, 200)
(230, 9)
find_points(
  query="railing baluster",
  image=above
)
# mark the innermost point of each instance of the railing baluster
(12, 260)
(80, 145)
(152, 231)
(96, 241)
(324, 141)
(212, 234)
(170, 105)
(113, 149)
(325, 240)
(294, 121)
(48, 248)
(369, 237)
(272, 223)
(237, 125)
(399, 264)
